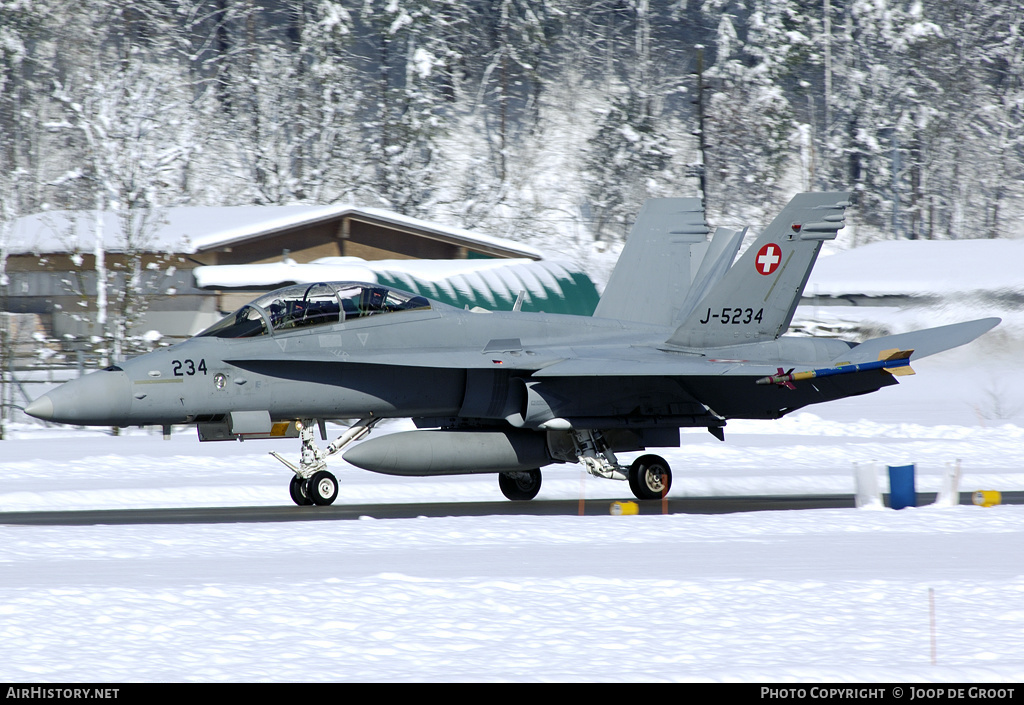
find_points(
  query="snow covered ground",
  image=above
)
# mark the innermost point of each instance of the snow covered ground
(802, 596)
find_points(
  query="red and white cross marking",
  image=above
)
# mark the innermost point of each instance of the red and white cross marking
(768, 258)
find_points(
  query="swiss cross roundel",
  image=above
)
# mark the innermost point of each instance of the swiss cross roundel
(768, 258)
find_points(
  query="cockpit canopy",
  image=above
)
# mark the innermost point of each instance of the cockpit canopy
(312, 305)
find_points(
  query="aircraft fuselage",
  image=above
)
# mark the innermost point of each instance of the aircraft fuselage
(325, 371)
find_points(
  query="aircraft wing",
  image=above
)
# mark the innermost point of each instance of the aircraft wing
(648, 362)
(614, 361)
(559, 361)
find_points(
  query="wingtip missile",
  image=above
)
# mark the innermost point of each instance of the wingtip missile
(895, 361)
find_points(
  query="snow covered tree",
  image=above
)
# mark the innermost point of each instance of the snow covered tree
(404, 103)
(122, 116)
(1004, 121)
(516, 115)
(27, 48)
(967, 149)
(15, 24)
(629, 157)
(516, 36)
(927, 99)
(496, 142)
(330, 162)
(626, 163)
(257, 76)
(750, 125)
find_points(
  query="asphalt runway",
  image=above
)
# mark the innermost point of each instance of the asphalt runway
(241, 515)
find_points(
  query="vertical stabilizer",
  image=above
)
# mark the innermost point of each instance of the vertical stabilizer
(757, 297)
(721, 252)
(654, 271)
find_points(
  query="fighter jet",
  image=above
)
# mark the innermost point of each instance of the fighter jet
(685, 335)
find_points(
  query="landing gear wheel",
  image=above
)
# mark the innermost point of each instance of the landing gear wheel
(322, 488)
(297, 493)
(521, 485)
(650, 477)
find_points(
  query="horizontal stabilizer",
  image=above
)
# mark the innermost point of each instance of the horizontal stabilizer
(923, 342)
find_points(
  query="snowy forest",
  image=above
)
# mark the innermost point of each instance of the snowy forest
(541, 120)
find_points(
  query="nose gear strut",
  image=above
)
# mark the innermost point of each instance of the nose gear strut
(312, 483)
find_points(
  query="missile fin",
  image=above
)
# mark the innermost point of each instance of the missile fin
(902, 370)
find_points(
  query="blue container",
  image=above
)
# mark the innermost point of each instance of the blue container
(901, 487)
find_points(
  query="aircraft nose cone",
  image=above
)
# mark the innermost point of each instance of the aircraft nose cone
(41, 408)
(98, 399)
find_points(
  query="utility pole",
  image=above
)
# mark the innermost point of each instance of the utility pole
(827, 31)
(897, 166)
(700, 170)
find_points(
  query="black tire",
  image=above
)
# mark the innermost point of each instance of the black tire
(295, 488)
(520, 486)
(322, 488)
(650, 477)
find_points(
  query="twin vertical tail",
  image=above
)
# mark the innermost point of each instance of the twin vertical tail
(756, 298)
(654, 271)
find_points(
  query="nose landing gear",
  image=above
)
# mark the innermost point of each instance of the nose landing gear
(312, 483)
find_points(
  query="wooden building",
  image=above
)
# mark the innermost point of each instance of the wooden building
(51, 263)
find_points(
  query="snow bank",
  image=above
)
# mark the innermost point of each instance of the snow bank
(940, 268)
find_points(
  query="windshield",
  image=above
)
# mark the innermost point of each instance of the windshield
(312, 305)
(246, 322)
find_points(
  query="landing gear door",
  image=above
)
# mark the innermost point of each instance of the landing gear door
(244, 425)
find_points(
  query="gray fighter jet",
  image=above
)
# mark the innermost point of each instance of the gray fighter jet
(683, 337)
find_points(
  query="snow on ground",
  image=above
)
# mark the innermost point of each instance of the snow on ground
(802, 596)
(922, 267)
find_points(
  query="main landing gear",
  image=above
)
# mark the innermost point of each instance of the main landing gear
(649, 476)
(521, 485)
(312, 483)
